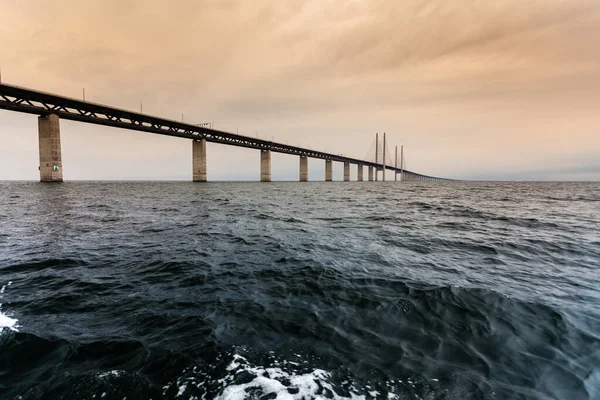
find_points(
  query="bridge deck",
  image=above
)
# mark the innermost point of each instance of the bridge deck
(25, 100)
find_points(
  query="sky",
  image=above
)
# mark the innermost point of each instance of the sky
(473, 89)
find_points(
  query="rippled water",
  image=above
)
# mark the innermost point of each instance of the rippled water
(452, 290)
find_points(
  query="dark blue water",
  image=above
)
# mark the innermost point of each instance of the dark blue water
(296, 291)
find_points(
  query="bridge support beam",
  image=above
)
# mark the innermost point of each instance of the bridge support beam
(199, 160)
(265, 165)
(359, 173)
(50, 153)
(328, 171)
(346, 172)
(370, 174)
(303, 169)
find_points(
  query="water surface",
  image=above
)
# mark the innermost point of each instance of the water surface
(421, 290)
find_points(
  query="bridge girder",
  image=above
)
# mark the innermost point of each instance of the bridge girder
(29, 101)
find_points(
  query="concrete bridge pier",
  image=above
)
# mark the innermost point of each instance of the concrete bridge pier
(346, 172)
(359, 173)
(265, 165)
(50, 154)
(328, 171)
(199, 160)
(303, 169)
(370, 174)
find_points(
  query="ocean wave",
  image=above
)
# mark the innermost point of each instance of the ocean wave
(6, 322)
(235, 377)
(175, 291)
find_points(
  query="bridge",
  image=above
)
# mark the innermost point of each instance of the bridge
(51, 108)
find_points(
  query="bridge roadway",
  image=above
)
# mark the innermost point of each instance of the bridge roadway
(15, 98)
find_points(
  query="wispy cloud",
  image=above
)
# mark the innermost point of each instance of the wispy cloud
(485, 74)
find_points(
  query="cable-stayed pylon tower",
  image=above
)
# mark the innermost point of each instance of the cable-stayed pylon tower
(396, 163)
(399, 163)
(380, 159)
(379, 153)
(402, 162)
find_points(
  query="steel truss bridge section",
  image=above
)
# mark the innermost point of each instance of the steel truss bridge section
(15, 98)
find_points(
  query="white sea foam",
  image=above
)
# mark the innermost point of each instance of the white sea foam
(265, 381)
(280, 380)
(270, 380)
(114, 373)
(5, 320)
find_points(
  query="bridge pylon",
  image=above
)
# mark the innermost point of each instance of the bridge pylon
(265, 165)
(303, 169)
(199, 160)
(328, 171)
(346, 172)
(50, 151)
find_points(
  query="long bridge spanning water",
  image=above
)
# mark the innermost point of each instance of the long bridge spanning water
(51, 108)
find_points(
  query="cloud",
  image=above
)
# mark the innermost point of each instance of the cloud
(467, 77)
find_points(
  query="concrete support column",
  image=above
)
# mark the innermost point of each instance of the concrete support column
(359, 173)
(303, 169)
(346, 172)
(370, 174)
(328, 171)
(265, 165)
(199, 160)
(50, 154)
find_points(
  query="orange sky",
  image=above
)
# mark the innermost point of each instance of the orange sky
(472, 89)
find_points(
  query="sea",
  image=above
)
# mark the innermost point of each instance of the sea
(288, 290)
